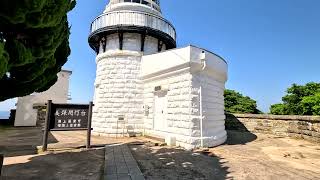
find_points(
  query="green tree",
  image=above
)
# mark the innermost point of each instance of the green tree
(311, 104)
(34, 44)
(300, 100)
(278, 109)
(237, 103)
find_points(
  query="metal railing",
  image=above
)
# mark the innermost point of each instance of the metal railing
(133, 18)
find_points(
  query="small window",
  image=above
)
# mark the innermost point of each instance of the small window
(136, 1)
(127, 0)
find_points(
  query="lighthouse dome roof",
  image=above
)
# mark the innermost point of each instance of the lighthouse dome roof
(150, 6)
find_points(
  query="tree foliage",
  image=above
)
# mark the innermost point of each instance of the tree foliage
(34, 44)
(237, 103)
(278, 109)
(300, 100)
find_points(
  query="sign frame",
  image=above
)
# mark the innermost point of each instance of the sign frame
(79, 108)
(51, 120)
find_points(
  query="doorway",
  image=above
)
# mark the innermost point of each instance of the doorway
(160, 111)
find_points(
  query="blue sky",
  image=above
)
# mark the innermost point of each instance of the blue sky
(269, 44)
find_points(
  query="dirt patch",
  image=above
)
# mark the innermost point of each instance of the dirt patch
(270, 157)
(244, 156)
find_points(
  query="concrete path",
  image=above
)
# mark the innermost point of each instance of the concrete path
(120, 164)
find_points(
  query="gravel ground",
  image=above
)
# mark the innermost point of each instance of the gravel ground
(244, 156)
(66, 160)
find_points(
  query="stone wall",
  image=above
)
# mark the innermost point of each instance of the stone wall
(181, 72)
(118, 87)
(183, 110)
(179, 124)
(118, 91)
(305, 127)
(212, 90)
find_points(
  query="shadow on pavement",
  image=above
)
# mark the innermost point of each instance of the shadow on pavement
(173, 163)
(237, 131)
(22, 141)
(59, 166)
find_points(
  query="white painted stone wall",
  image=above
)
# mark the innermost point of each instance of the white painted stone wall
(212, 91)
(118, 87)
(180, 113)
(118, 91)
(126, 81)
(58, 93)
(183, 118)
(125, 85)
(183, 71)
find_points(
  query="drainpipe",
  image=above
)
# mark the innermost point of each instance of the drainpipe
(204, 65)
(201, 117)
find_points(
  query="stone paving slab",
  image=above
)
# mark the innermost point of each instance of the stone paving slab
(120, 164)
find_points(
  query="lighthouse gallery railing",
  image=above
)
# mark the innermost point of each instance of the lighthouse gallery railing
(133, 18)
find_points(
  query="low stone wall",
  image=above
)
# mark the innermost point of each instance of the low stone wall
(304, 127)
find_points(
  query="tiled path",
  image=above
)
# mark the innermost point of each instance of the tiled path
(120, 164)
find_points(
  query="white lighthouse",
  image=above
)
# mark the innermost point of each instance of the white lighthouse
(144, 86)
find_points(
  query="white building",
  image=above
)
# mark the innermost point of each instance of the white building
(146, 87)
(26, 115)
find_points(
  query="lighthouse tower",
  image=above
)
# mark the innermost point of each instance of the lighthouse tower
(121, 35)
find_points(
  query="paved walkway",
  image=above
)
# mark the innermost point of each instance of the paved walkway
(120, 164)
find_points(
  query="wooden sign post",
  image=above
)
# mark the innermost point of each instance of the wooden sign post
(89, 125)
(1, 163)
(46, 127)
(68, 117)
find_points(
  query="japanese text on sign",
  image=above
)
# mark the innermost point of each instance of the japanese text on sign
(71, 117)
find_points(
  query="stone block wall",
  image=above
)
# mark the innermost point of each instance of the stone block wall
(118, 86)
(183, 111)
(179, 122)
(118, 91)
(214, 132)
(304, 127)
